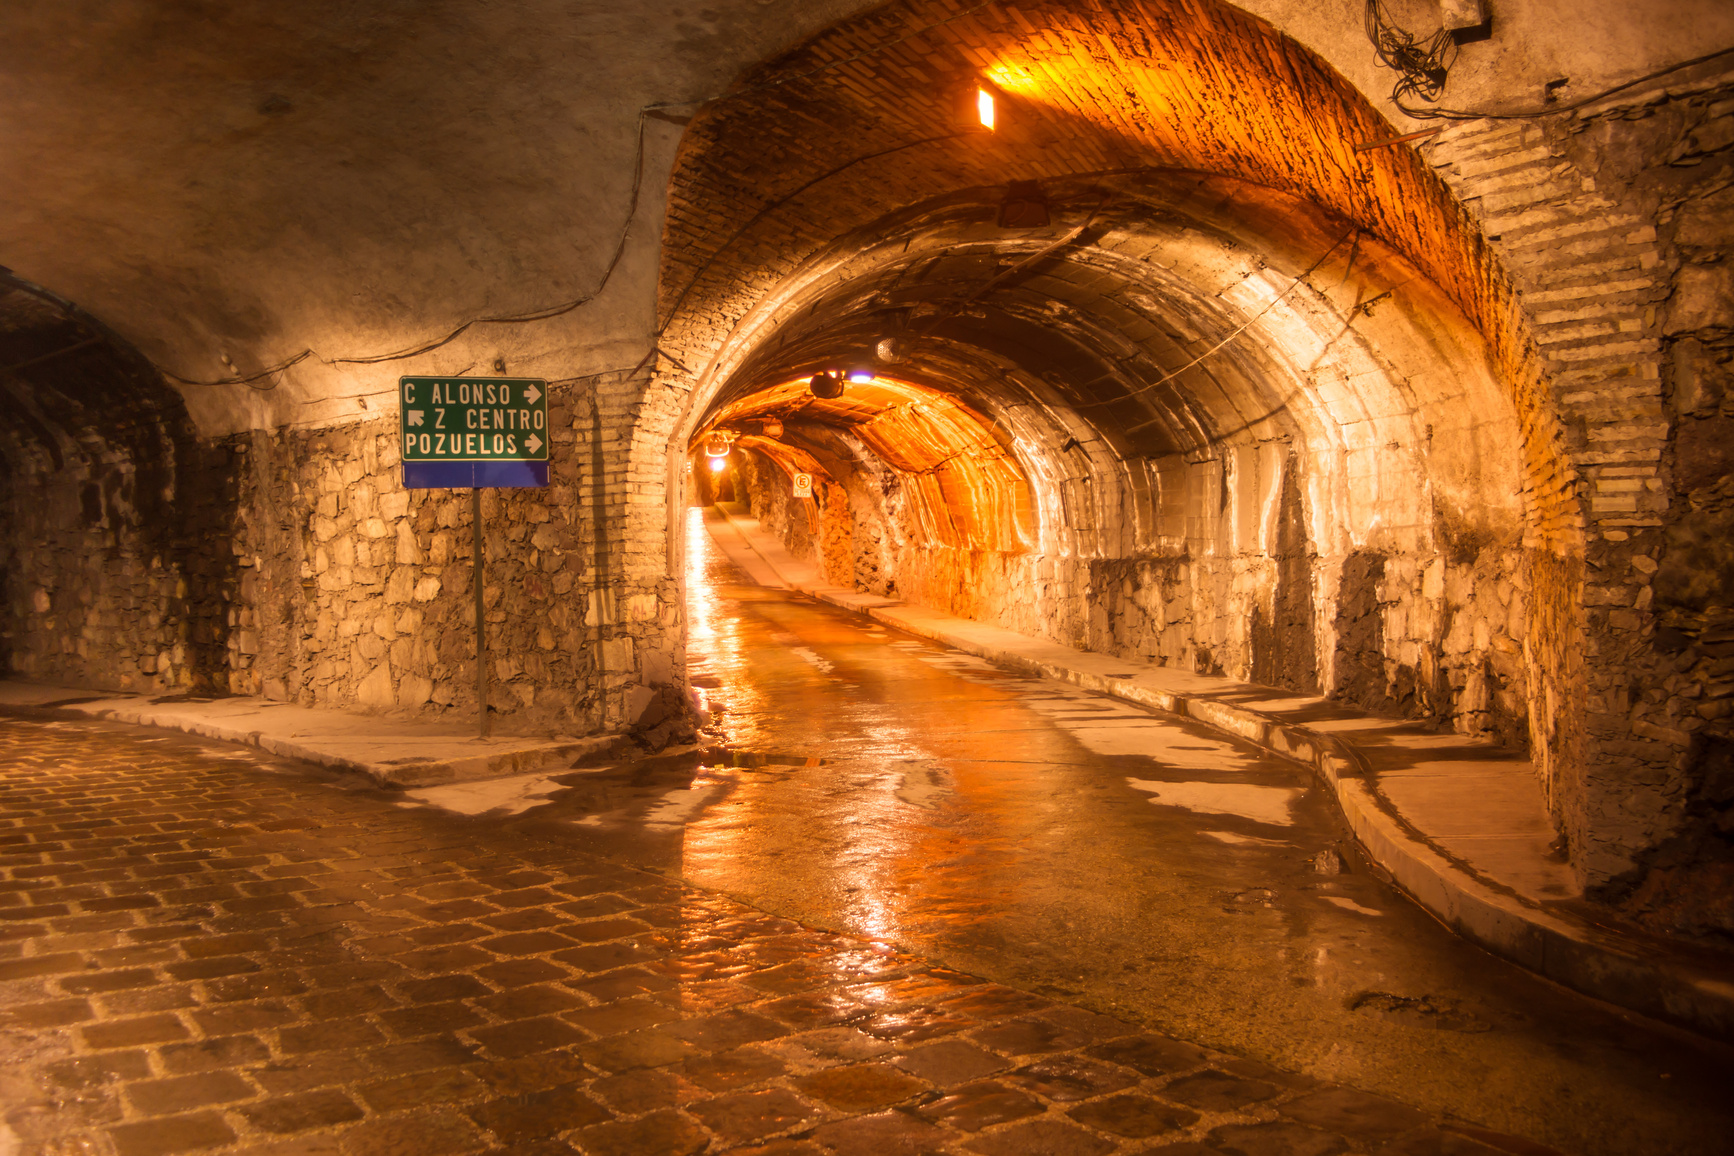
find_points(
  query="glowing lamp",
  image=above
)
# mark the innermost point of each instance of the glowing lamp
(718, 448)
(860, 375)
(984, 107)
(716, 465)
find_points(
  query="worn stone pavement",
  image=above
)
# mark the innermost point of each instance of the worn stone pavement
(209, 948)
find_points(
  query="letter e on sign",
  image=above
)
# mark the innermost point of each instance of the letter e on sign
(803, 485)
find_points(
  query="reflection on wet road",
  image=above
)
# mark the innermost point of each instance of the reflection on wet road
(1082, 847)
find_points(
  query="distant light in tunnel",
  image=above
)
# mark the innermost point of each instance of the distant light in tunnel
(717, 464)
(984, 107)
(861, 375)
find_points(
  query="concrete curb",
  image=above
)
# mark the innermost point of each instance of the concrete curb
(509, 755)
(1567, 948)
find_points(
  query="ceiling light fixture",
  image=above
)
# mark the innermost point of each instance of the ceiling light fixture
(984, 110)
(861, 375)
(826, 385)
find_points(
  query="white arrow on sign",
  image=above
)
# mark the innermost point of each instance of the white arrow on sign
(415, 417)
(533, 443)
(531, 393)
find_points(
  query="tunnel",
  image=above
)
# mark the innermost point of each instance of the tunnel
(1145, 379)
(1056, 443)
(1204, 524)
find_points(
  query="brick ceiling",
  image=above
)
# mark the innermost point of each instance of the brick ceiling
(822, 209)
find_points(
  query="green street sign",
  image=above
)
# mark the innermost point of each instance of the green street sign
(474, 419)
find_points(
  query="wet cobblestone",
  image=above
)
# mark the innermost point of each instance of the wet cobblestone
(204, 949)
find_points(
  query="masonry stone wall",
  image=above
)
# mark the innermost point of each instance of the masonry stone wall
(120, 566)
(318, 579)
(1617, 224)
(1243, 592)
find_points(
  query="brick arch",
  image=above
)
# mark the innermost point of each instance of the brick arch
(1239, 126)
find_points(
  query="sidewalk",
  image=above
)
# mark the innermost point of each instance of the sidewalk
(1459, 824)
(393, 752)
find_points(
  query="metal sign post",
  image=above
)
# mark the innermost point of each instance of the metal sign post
(475, 432)
(479, 564)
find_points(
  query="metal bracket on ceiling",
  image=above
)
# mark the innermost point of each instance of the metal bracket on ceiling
(1025, 206)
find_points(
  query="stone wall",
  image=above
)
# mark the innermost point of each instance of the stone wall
(1617, 223)
(1244, 592)
(120, 563)
(297, 567)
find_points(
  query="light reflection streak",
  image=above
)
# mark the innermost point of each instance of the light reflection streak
(838, 838)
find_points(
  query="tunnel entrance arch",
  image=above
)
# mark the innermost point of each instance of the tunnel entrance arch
(110, 501)
(1272, 399)
(1199, 511)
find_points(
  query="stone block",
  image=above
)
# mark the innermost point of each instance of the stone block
(413, 690)
(1703, 298)
(375, 690)
(617, 654)
(400, 587)
(427, 589)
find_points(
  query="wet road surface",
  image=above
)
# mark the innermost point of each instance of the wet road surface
(210, 949)
(1087, 849)
(900, 902)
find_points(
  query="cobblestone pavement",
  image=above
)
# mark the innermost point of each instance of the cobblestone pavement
(204, 948)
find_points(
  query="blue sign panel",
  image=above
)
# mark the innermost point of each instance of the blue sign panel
(467, 475)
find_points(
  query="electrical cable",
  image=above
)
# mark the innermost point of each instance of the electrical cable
(1006, 274)
(1424, 66)
(1555, 110)
(543, 314)
(1354, 231)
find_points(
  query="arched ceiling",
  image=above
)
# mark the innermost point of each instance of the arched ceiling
(1159, 111)
(74, 393)
(1157, 131)
(1158, 315)
(231, 186)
